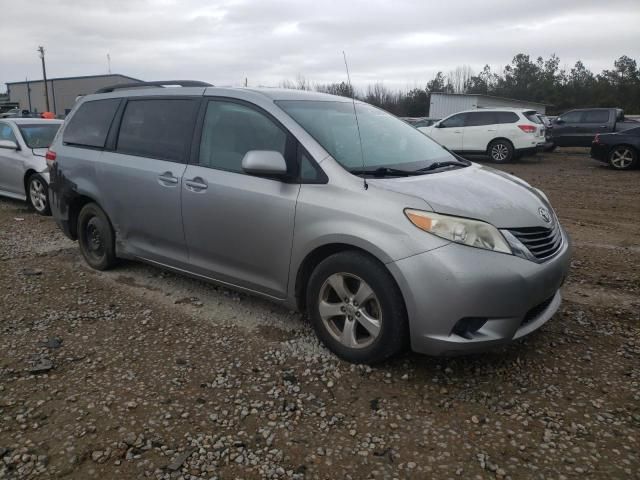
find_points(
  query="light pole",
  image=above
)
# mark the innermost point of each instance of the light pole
(44, 75)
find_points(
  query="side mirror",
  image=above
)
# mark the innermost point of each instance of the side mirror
(264, 162)
(8, 144)
(558, 121)
(437, 125)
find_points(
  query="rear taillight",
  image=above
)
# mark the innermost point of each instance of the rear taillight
(50, 156)
(528, 128)
(596, 139)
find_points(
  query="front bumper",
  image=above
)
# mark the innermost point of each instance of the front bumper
(443, 286)
(600, 152)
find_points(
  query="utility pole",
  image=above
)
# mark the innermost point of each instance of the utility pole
(28, 93)
(44, 75)
(109, 63)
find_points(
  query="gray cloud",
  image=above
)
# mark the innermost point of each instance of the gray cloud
(402, 43)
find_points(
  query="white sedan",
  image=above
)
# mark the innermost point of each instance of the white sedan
(23, 169)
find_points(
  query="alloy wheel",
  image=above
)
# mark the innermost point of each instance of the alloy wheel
(350, 310)
(37, 195)
(499, 152)
(621, 158)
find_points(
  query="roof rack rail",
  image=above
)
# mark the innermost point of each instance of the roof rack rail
(163, 83)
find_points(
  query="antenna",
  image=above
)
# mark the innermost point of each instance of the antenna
(355, 114)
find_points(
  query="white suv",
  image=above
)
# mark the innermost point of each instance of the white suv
(501, 133)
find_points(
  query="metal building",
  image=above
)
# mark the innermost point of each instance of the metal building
(29, 95)
(445, 104)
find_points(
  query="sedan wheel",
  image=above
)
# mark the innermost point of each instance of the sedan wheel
(622, 158)
(350, 310)
(38, 194)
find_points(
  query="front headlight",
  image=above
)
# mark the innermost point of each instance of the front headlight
(460, 230)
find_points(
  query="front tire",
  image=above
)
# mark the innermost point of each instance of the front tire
(38, 194)
(623, 157)
(500, 151)
(356, 308)
(96, 237)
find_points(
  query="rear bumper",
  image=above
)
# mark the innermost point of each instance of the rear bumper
(513, 296)
(525, 152)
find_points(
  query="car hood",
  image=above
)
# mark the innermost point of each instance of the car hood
(476, 192)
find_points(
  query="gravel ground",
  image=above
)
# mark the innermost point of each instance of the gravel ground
(139, 373)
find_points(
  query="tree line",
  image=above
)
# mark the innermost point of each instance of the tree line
(540, 80)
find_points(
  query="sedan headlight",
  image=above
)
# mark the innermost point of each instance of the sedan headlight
(460, 230)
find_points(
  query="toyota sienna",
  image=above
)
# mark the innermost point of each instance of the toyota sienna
(332, 206)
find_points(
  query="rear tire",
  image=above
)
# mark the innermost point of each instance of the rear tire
(623, 157)
(96, 237)
(501, 151)
(356, 308)
(38, 194)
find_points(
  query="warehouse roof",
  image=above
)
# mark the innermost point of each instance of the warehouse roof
(489, 96)
(78, 78)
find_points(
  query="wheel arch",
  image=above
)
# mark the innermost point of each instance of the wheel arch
(75, 206)
(499, 138)
(25, 179)
(628, 145)
(317, 255)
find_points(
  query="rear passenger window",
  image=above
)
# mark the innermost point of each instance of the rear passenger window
(477, 119)
(596, 116)
(89, 126)
(230, 130)
(506, 117)
(159, 129)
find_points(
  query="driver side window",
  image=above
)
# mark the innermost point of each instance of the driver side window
(572, 117)
(454, 121)
(6, 133)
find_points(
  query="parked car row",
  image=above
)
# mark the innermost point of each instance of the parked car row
(385, 238)
(505, 134)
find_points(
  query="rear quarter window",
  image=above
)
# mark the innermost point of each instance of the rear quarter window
(506, 117)
(90, 125)
(532, 117)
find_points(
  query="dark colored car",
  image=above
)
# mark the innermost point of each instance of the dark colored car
(577, 128)
(620, 149)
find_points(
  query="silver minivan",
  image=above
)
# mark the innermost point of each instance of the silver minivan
(382, 236)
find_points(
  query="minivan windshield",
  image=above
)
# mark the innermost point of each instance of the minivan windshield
(386, 140)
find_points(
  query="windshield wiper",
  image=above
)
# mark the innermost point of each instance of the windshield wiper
(385, 172)
(448, 163)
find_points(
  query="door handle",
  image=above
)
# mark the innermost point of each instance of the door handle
(196, 184)
(167, 179)
(457, 131)
(492, 130)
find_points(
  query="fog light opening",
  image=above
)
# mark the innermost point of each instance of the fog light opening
(468, 326)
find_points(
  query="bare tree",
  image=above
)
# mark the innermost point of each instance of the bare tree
(460, 78)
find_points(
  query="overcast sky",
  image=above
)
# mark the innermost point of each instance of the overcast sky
(401, 43)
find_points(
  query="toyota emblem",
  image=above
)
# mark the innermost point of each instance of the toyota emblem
(544, 213)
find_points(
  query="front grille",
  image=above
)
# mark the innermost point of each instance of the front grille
(542, 242)
(536, 311)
